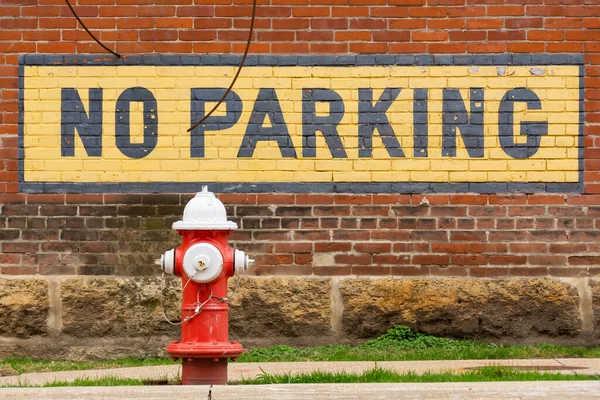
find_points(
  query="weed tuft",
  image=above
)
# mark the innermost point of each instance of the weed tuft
(402, 337)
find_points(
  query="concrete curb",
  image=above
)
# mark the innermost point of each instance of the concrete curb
(373, 391)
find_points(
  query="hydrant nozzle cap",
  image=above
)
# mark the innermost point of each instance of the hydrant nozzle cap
(205, 212)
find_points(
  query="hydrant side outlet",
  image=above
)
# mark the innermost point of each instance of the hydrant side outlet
(204, 262)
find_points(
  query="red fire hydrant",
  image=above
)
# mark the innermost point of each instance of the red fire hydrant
(204, 261)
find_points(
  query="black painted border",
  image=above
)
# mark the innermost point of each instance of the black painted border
(519, 59)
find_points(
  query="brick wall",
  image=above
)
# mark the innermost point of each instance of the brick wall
(474, 235)
(454, 234)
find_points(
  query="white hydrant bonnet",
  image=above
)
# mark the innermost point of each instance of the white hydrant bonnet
(205, 212)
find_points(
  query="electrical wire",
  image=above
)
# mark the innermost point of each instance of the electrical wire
(238, 71)
(90, 33)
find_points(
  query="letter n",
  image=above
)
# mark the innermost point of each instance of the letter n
(89, 126)
(455, 117)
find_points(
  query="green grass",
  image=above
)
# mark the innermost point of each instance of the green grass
(379, 375)
(465, 351)
(402, 344)
(104, 381)
(21, 365)
(398, 344)
(375, 375)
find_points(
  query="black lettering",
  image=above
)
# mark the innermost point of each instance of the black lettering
(267, 104)
(123, 128)
(533, 130)
(420, 124)
(89, 126)
(455, 117)
(371, 117)
(199, 98)
(327, 125)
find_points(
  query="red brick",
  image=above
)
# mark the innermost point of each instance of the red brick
(391, 36)
(488, 247)
(276, 36)
(454, 23)
(389, 12)
(447, 48)
(507, 260)
(428, 12)
(506, 35)
(525, 47)
(285, 48)
(546, 199)
(453, 270)
(465, 236)
(333, 271)
(496, 11)
(488, 23)
(311, 12)
(488, 272)
(20, 247)
(589, 199)
(196, 11)
(587, 11)
(468, 35)
(584, 260)
(528, 271)
(465, 12)
(329, 23)
(486, 47)
(450, 247)
(158, 35)
(523, 23)
(407, 48)
(353, 12)
(330, 247)
(429, 36)
(368, 48)
(373, 247)
(317, 36)
(353, 259)
(15, 198)
(370, 270)
(547, 260)
(328, 48)
(430, 259)
(20, 270)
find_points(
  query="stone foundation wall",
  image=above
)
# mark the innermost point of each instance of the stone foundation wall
(111, 317)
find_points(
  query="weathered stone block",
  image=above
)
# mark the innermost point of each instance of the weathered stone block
(99, 307)
(266, 307)
(24, 307)
(595, 288)
(473, 308)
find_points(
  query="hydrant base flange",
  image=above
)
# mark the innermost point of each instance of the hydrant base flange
(204, 371)
(205, 350)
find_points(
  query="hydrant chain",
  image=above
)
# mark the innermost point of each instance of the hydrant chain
(162, 301)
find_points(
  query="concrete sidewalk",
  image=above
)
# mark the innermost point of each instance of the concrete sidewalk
(585, 390)
(582, 366)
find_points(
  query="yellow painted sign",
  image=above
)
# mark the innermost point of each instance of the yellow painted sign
(111, 124)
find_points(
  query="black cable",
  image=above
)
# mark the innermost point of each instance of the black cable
(238, 71)
(90, 33)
